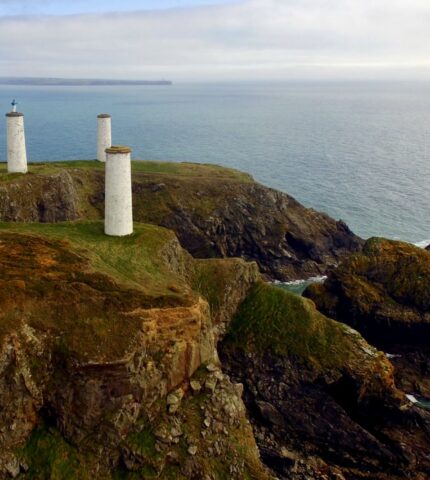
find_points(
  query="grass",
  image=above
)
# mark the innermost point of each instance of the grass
(76, 279)
(137, 260)
(208, 283)
(143, 443)
(160, 189)
(49, 456)
(186, 169)
(272, 319)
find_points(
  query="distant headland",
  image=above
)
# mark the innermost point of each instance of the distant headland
(76, 81)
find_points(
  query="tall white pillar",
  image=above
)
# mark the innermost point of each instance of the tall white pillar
(104, 135)
(118, 198)
(15, 137)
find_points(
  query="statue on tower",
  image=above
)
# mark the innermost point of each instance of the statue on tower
(14, 104)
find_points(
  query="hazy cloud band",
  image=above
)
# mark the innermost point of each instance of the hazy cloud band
(252, 39)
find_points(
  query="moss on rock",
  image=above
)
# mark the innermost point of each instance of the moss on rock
(384, 292)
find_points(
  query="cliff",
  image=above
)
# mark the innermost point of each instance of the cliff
(109, 369)
(384, 292)
(109, 346)
(108, 361)
(215, 212)
(322, 401)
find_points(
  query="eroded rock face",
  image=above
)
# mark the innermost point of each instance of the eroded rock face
(322, 401)
(257, 223)
(383, 292)
(50, 198)
(89, 354)
(25, 362)
(205, 418)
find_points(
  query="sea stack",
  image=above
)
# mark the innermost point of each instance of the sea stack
(118, 199)
(104, 135)
(15, 138)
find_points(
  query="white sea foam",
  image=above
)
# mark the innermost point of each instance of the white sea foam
(319, 279)
(392, 355)
(411, 398)
(299, 286)
(423, 244)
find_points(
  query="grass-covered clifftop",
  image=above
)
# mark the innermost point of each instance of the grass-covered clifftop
(214, 211)
(274, 321)
(95, 333)
(323, 401)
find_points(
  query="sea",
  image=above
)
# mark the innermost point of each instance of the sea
(359, 151)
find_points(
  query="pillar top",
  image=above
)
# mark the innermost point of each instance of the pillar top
(103, 115)
(14, 114)
(118, 149)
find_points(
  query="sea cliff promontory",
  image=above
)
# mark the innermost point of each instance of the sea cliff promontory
(138, 358)
(215, 212)
(108, 357)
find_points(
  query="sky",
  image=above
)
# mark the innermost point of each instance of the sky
(216, 40)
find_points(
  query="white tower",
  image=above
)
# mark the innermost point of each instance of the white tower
(104, 135)
(15, 137)
(118, 199)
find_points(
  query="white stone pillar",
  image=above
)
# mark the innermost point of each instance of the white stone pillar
(104, 135)
(118, 198)
(16, 151)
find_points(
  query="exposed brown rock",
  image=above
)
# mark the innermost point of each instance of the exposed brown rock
(384, 292)
(91, 352)
(39, 198)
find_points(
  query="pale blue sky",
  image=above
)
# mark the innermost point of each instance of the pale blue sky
(62, 7)
(215, 39)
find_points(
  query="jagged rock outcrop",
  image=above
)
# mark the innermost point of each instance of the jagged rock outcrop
(215, 212)
(38, 198)
(322, 401)
(383, 292)
(95, 333)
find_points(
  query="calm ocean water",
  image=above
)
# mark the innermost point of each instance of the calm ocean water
(358, 151)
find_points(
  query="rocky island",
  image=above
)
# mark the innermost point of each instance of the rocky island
(157, 355)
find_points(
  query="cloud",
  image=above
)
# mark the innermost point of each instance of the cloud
(251, 39)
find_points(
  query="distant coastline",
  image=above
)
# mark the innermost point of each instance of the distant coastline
(76, 82)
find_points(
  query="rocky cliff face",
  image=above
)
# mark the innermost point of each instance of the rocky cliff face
(40, 198)
(384, 292)
(96, 360)
(108, 358)
(215, 212)
(322, 401)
